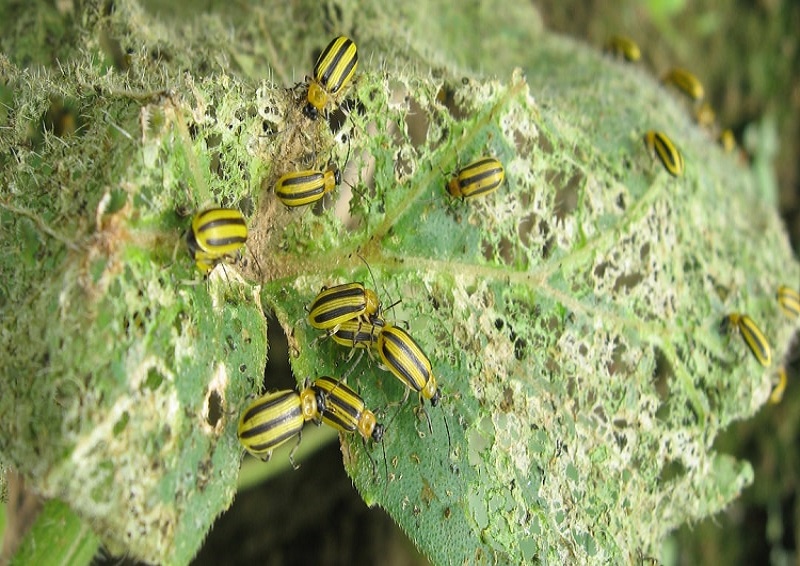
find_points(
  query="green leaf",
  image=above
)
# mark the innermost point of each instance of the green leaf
(571, 318)
(57, 537)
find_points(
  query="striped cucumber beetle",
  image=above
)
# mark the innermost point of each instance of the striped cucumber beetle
(403, 357)
(306, 187)
(480, 177)
(621, 46)
(727, 140)
(752, 336)
(705, 115)
(662, 146)
(780, 387)
(684, 81)
(336, 305)
(406, 360)
(335, 67)
(362, 332)
(358, 333)
(789, 300)
(274, 418)
(217, 234)
(205, 262)
(344, 410)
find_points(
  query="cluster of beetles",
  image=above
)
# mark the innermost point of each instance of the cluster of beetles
(352, 315)
(659, 143)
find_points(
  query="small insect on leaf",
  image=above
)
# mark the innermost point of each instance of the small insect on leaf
(274, 418)
(789, 300)
(780, 387)
(727, 140)
(705, 115)
(335, 67)
(358, 333)
(665, 150)
(684, 81)
(480, 177)
(217, 234)
(336, 305)
(306, 187)
(345, 410)
(751, 335)
(621, 46)
(407, 362)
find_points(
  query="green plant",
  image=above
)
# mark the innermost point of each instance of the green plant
(571, 317)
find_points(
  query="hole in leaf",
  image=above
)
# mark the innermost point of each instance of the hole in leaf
(507, 403)
(277, 372)
(617, 364)
(213, 141)
(447, 98)
(661, 375)
(154, 379)
(627, 281)
(523, 143)
(644, 252)
(600, 270)
(417, 123)
(121, 423)
(193, 130)
(520, 348)
(269, 128)
(214, 404)
(214, 165)
(566, 200)
(549, 240)
(545, 145)
(673, 469)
